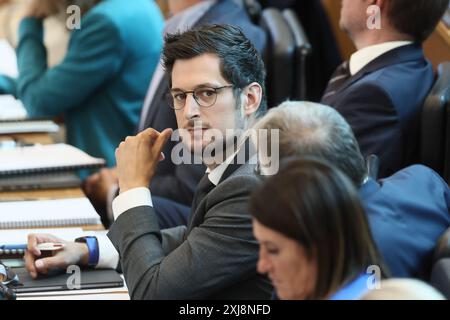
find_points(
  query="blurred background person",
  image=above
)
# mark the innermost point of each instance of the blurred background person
(100, 85)
(381, 89)
(404, 289)
(315, 242)
(56, 35)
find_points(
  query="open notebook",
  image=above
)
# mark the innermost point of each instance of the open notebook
(47, 213)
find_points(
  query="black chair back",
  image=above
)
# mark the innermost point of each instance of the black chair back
(435, 126)
(254, 9)
(278, 57)
(440, 274)
(302, 50)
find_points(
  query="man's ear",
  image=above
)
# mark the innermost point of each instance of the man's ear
(380, 3)
(253, 97)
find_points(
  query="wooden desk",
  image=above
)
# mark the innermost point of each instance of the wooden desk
(44, 194)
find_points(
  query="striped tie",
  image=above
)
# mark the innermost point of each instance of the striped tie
(341, 75)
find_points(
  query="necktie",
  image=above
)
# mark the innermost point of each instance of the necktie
(339, 77)
(203, 188)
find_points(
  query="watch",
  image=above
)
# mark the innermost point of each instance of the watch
(92, 244)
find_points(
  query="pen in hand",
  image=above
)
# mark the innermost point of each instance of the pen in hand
(20, 248)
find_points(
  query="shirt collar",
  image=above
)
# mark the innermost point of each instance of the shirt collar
(187, 18)
(216, 174)
(363, 57)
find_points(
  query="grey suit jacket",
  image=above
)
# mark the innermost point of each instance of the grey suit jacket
(214, 257)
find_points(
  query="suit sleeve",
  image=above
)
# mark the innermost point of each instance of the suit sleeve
(94, 55)
(172, 238)
(216, 254)
(370, 112)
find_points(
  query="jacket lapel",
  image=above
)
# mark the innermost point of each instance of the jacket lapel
(198, 212)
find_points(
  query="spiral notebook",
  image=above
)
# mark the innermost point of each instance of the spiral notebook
(27, 126)
(45, 159)
(48, 213)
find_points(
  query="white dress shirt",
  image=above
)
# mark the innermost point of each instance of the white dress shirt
(363, 57)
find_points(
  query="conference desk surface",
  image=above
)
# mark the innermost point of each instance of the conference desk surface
(42, 138)
(46, 194)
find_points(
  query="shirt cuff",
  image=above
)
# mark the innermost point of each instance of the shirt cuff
(112, 194)
(108, 257)
(133, 198)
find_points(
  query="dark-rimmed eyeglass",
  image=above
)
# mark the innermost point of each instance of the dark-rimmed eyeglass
(204, 96)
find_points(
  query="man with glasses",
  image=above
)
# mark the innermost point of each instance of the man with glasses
(216, 77)
(173, 186)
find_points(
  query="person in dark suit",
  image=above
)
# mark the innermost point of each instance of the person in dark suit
(173, 182)
(381, 89)
(216, 78)
(407, 212)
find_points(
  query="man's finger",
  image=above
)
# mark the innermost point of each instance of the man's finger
(151, 133)
(32, 244)
(43, 265)
(162, 139)
(29, 264)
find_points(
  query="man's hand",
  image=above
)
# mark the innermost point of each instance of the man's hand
(97, 186)
(42, 9)
(137, 158)
(72, 254)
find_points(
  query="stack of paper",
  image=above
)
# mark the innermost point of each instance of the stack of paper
(47, 213)
(30, 126)
(45, 158)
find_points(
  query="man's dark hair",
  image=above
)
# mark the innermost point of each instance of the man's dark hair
(240, 62)
(417, 18)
